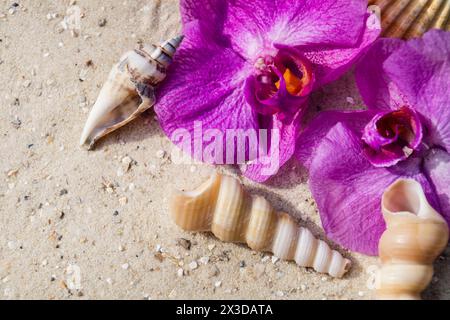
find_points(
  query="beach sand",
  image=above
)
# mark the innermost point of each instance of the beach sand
(77, 224)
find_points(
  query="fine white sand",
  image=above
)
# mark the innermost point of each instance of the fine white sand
(77, 225)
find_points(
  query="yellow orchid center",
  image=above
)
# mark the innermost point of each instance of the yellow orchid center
(294, 84)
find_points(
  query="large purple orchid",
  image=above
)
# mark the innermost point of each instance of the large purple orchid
(250, 65)
(353, 156)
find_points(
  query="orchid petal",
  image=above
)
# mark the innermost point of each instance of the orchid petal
(330, 63)
(348, 189)
(207, 69)
(437, 166)
(421, 70)
(253, 25)
(279, 152)
(318, 128)
(375, 87)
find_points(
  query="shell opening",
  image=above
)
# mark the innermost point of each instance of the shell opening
(403, 196)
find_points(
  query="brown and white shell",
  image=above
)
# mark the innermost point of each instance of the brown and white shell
(129, 89)
(415, 236)
(222, 206)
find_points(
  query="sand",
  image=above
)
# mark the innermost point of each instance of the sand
(78, 225)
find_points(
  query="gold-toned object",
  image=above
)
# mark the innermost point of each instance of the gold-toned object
(129, 90)
(412, 18)
(415, 236)
(222, 206)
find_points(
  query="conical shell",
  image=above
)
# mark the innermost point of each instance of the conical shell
(412, 18)
(129, 89)
(222, 206)
(415, 236)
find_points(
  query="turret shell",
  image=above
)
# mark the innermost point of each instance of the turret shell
(412, 18)
(222, 206)
(415, 235)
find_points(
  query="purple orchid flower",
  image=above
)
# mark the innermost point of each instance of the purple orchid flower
(353, 156)
(250, 65)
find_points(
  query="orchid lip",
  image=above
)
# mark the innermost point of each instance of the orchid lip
(392, 136)
(280, 83)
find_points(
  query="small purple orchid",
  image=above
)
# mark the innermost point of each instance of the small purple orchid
(353, 156)
(250, 65)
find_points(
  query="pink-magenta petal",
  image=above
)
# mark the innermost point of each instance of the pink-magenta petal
(318, 128)
(205, 85)
(375, 86)
(348, 189)
(330, 62)
(437, 167)
(275, 156)
(252, 26)
(421, 70)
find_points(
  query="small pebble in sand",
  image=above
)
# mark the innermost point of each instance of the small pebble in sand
(193, 265)
(303, 287)
(121, 248)
(12, 173)
(126, 162)
(324, 279)
(204, 260)
(123, 201)
(82, 76)
(160, 154)
(185, 243)
(13, 8)
(51, 16)
(63, 192)
(265, 259)
(16, 122)
(211, 247)
(361, 293)
(83, 240)
(213, 271)
(44, 262)
(12, 245)
(242, 264)
(109, 281)
(217, 284)
(180, 272)
(275, 259)
(192, 169)
(125, 266)
(26, 83)
(102, 22)
(279, 293)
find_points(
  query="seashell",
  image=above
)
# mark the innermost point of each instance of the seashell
(129, 89)
(415, 236)
(412, 18)
(222, 206)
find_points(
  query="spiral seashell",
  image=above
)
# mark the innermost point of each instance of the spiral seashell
(222, 206)
(129, 89)
(415, 236)
(412, 18)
